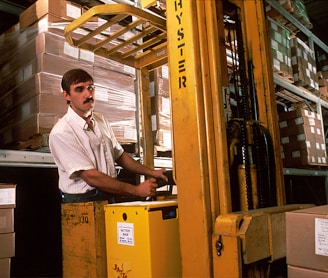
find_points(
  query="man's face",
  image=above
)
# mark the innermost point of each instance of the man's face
(81, 97)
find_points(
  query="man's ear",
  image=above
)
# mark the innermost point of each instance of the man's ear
(66, 95)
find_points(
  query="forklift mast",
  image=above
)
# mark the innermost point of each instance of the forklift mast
(199, 78)
(215, 240)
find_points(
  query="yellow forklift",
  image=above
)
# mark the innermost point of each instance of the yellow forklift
(226, 159)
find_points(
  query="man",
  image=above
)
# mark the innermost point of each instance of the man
(85, 149)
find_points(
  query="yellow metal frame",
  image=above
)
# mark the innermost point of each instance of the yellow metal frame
(145, 47)
(199, 136)
(247, 237)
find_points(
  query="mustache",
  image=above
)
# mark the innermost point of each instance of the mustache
(89, 99)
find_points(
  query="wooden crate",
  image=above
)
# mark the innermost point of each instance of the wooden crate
(84, 240)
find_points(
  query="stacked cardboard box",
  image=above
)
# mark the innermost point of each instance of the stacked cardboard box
(57, 10)
(161, 113)
(294, 7)
(280, 50)
(323, 85)
(7, 234)
(322, 62)
(36, 58)
(276, 15)
(300, 12)
(307, 242)
(322, 59)
(302, 139)
(304, 65)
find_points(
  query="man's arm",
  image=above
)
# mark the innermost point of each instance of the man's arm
(114, 186)
(128, 163)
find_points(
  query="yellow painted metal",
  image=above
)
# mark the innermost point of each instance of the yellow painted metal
(145, 109)
(142, 239)
(248, 237)
(199, 136)
(214, 68)
(148, 3)
(122, 33)
(229, 263)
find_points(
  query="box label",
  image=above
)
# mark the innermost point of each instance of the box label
(125, 233)
(321, 236)
(7, 196)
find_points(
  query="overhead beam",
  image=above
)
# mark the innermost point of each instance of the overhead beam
(11, 8)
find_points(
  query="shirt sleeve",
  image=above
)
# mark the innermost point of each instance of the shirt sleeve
(69, 154)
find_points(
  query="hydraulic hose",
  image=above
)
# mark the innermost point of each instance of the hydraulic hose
(271, 188)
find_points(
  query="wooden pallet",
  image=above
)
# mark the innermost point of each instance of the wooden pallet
(285, 76)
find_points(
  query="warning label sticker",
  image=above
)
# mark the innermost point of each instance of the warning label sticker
(321, 236)
(125, 233)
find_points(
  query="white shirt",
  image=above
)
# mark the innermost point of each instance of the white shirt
(75, 147)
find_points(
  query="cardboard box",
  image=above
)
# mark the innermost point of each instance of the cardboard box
(304, 65)
(300, 272)
(5, 268)
(6, 220)
(302, 138)
(31, 102)
(296, 113)
(280, 50)
(7, 195)
(7, 243)
(307, 238)
(63, 9)
(84, 239)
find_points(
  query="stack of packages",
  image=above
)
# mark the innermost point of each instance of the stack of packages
(36, 57)
(280, 50)
(292, 58)
(7, 234)
(295, 8)
(300, 13)
(161, 113)
(304, 65)
(302, 139)
(322, 59)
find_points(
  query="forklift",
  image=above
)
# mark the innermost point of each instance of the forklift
(226, 158)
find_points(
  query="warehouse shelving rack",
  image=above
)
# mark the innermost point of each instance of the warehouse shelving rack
(300, 92)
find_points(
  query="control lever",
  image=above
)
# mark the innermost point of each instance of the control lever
(160, 183)
(170, 181)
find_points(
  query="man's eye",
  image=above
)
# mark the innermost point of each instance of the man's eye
(91, 88)
(79, 89)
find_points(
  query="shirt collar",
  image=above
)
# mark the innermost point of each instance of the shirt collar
(76, 118)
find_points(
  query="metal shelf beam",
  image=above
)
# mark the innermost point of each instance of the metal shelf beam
(15, 158)
(299, 91)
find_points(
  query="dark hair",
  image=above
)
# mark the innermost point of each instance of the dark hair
(74, 76)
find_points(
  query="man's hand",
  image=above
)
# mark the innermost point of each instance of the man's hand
(147, 188)
(159, 174)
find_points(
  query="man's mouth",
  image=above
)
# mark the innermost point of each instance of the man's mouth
(89, 99)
